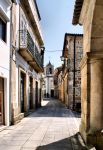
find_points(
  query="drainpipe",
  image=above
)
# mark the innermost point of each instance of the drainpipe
(74, 73)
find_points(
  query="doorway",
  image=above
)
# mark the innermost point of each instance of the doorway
(22, 91)
(30, 93)
(52, 93)
(1, 101)
(36, 94)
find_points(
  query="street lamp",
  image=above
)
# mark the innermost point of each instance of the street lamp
(62, 58)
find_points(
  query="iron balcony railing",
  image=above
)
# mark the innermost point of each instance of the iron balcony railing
(38, 57)
(26, 42)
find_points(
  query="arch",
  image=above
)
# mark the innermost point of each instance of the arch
(92, 72)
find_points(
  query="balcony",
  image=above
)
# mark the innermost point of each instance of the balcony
(29, 51)
(32, 14)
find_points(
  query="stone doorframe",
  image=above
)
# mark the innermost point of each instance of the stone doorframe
(21, 70)
(30, 94)
(91, 18)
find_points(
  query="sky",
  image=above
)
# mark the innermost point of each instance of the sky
(56, 20)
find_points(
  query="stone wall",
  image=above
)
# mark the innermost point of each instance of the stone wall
(78, 56)
(74, 78)
(92, 73)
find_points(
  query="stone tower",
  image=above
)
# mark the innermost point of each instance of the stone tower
(48, 88)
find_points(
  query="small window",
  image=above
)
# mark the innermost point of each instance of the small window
(2, 30)
(50, 70)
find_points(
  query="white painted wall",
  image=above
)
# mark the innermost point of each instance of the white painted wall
(5, 58)
(49, 84)
(20, 62)
(48, 78)
(33, 8)
(28, 26)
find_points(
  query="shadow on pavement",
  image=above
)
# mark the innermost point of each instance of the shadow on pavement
(72, 143)
(54, 108)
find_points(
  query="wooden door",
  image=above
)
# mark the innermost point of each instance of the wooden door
(1, 101)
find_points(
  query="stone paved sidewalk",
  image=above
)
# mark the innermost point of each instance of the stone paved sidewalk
(52, 127)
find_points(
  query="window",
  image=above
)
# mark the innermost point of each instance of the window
(2, 30)
(50, 70)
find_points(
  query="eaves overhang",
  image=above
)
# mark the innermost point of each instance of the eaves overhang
(3, 14)
(65, 49)
(77, 11)
(25, 4)
(37, 10)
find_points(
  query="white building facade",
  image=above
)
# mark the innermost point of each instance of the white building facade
(48, 87)
(5, 19)
(27, 59)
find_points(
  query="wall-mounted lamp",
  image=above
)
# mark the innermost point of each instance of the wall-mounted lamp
(42, 50)
(62, 58)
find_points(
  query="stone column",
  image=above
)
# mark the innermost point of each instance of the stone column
(92, 94)
(96, 95)
(92, 73)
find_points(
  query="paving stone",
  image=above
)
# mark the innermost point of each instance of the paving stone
(3, 147)
(31, 144)
(28, 149)
(52, 127)
(15, 138)
(11, 143)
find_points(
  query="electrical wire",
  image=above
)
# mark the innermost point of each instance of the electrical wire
(53, 51)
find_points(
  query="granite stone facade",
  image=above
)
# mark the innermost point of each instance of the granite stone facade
(72, 53)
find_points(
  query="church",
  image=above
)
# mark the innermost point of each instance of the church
(48, 86)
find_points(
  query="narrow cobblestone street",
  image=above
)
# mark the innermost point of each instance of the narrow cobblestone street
(52, 127)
